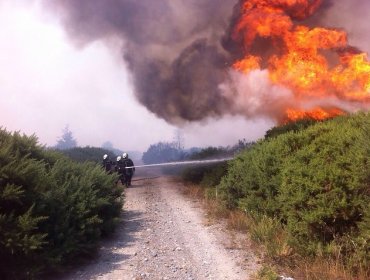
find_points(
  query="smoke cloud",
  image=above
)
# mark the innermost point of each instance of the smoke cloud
(353, 16)
(171, 47)
(263, 99)
(179, 53)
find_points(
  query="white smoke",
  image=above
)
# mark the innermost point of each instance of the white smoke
(254, 95)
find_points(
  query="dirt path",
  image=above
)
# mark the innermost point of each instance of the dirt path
(165, 235)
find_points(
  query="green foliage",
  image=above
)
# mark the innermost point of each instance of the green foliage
(255, 176)
(291, 126)
(267, 273)
(206, 176)
(210, 175)
(209, 152)
(213, 175)
(82, 154)
(315, 181)
(326, 183)
(51, 208)
(271, 233)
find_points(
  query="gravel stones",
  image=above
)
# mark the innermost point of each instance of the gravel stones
(163, 236)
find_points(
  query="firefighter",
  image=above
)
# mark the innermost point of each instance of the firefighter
(127, 162)
(107, 163)
(121, 170)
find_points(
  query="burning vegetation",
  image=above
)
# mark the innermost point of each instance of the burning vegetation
(316, 64)
(194, 60)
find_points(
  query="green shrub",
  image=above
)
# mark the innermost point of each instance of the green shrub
(213, 175)
(325, 187)
(206, 176)
(82, 205)
(267, 273)
(210, 175)
(289, 127)
(271, 234)
(51, 208)
(254, 177)
(315, 181)
(82, 154)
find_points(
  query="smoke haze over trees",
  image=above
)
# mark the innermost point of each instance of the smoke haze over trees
(83, 154)
(66, 141)
(163, 152)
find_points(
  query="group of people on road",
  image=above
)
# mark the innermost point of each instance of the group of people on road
(124, 166)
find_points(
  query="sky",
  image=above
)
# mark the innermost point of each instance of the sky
(46, 83)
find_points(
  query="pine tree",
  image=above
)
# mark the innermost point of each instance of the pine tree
(66, 141)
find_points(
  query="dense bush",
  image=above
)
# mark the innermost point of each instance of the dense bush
(82, 154)
(51, 208)
(288, 127)
(316, 181)
(206, 175)
(163, 152)
(210, 175)
(325, 185)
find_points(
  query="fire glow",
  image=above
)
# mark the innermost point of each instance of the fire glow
(314, 63)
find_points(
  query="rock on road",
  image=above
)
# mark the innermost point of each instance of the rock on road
(164, 235)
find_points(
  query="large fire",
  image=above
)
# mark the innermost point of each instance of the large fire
(314, 63)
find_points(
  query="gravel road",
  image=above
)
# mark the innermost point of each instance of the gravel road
(165, 235)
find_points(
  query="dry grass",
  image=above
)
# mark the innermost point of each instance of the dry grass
(266, 273)
(215, 209)
(237, 220)
(193, 191)
(322, 268)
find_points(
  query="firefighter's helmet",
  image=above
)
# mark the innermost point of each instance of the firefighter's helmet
(105, 156)
(125, 155)
(118, 158)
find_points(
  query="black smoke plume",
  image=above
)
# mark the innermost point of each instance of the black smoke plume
(179, 52)
(173, 49)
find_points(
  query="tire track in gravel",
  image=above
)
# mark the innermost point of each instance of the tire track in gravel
(163, 235)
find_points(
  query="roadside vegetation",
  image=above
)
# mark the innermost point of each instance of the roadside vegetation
(303, 195)
(210, 175)
(53, 210)
(93, 154)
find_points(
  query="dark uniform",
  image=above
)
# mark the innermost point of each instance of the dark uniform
(121, 170)
(127, 162)
(107, 165)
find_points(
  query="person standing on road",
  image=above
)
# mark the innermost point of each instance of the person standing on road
(121, 170)
(130, 168)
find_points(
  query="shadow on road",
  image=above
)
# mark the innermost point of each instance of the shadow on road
(109, 257)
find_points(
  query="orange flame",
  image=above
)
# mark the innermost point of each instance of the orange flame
(313, 63)
(315, 113)
(247, 64)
